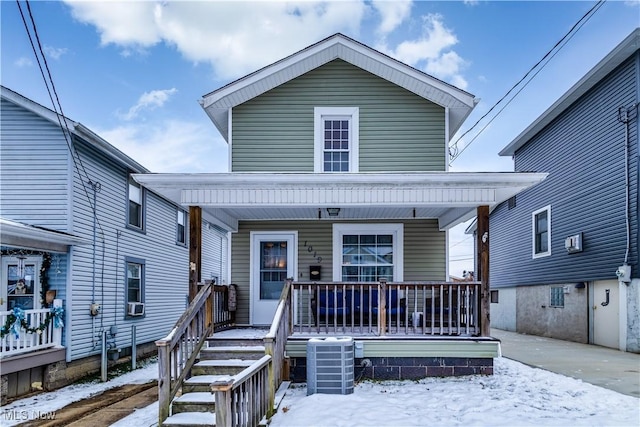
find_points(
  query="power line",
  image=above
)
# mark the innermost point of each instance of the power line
(59, 115)
(454, 152)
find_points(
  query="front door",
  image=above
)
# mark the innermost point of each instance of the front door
(606, 313)
(273, 260)
(20, 282)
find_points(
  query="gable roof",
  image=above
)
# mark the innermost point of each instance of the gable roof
(617, 56)
(75, 128)
(217, 104)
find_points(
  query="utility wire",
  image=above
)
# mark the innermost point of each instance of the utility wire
(59, 115)
(454, 152)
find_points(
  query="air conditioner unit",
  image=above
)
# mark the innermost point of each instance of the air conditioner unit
(330, 365)
(135, 309)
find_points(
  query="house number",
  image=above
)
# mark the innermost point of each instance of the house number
(315, 253)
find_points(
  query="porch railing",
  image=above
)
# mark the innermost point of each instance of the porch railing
(386, 308)
(42, 333)
(178, 351)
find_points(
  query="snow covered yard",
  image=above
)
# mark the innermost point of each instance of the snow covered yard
(516, 395)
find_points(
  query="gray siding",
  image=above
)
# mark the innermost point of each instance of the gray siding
(583, 152)
(34, 175)
(166, 263)
(214, 252)
(424, 252)
(399, 131)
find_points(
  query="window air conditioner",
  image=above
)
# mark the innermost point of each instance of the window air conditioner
(135, 309)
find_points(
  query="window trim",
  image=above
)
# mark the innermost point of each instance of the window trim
(534, 230)
(143, 205)
(396, 229)
(131, 260)
(350, 113)
(184, 227)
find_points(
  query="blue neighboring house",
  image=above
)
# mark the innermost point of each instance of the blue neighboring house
(74, 223)
(564, 254)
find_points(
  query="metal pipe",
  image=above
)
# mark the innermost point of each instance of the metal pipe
(134, 355)
(103, 364)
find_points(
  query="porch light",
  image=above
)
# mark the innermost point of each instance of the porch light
(333, 211)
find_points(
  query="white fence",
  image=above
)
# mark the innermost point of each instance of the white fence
(43, 330)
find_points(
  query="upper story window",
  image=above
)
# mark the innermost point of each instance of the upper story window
(181, 231)
(135, 212)
(336, 132)
(541, 228)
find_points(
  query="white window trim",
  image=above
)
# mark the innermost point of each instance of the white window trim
(533, 233)
(397, 230)
(318, 135)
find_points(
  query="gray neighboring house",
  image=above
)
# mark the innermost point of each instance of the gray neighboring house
(564, 254)
(126, 266)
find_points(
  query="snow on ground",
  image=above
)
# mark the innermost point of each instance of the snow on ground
(516, 395)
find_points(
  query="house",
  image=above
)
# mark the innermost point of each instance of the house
(338, 180)
(76, 229)
(564, 254)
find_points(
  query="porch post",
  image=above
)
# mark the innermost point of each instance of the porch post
(483, 268)
(195, 250)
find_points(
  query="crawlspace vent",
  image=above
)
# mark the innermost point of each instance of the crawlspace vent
(330, 365)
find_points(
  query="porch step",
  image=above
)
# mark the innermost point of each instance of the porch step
(220, 341)
(246, 352)
(220, 367)
(194, 402)
(202, 383)
(191, 419)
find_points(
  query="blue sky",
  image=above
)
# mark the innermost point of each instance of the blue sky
(134, 71)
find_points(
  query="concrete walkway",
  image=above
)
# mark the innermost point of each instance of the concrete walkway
(605, 367)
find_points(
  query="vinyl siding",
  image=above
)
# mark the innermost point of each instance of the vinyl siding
(34, 174)
(424, 253)
(399, 131)
(583, 152)
(214, 253)
(165, 262)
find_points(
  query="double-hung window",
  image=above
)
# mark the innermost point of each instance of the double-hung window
(541, 230)
(336, 139)
(135, 212)
(367, 252)
(181, 231)
(134, 281)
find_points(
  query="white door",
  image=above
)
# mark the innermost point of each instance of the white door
(606, 312)
(273, 260)
(20, 285)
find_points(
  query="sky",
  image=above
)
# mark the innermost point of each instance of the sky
(133, 72)
(515, 395)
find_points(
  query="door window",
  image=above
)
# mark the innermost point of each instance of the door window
(273, 268)
(21, 282)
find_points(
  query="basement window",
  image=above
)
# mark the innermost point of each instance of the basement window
(557, 297)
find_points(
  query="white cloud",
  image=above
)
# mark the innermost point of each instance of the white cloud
(393, 13)
(55, 52)
(23, 62)
(432, 52)
(171, 146)
(234, 37)
(149, 101)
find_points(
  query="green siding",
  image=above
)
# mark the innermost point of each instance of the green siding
(424, 252)
(399, 131)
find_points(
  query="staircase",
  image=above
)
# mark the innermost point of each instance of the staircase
(221, 358)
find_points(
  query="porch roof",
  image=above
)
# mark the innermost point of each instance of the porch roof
(227, 198)
(26, 236)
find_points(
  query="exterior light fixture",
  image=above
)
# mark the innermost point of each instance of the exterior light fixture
(333, 211)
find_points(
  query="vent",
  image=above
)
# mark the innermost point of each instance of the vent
(135, 309)
(330, 365)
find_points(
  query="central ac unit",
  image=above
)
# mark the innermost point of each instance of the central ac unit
(135, 309)
(330, 365)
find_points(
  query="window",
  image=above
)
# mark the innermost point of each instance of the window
(181, 232)
(557, 296)
(494, 296)
(135, 213)
(512, 202)
(134, 281)
(336, 131)
(367, 252)
(541, 228)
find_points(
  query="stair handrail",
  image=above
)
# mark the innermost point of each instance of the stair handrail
(275, 342)
(178, 351)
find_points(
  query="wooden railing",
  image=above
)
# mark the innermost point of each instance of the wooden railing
(378, 309)
(46, 335)
(243, 400)
(178, 351)
(276, 340)
(223, 317)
